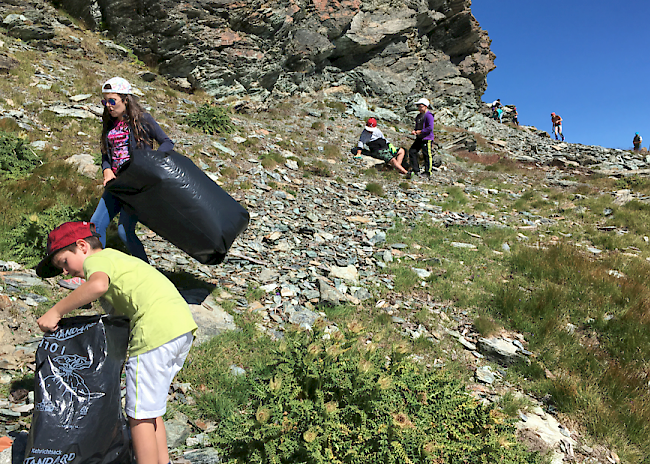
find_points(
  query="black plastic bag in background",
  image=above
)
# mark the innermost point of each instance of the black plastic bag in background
(77, 403)
(178, 201)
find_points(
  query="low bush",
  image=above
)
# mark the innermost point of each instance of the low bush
(375, 189)
(16, 159)
(320, 169)
(26, 242)
(333, 398)
(211, 119)
(332, 151)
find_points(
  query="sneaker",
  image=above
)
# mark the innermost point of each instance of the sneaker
(71, 283)
(426, 174)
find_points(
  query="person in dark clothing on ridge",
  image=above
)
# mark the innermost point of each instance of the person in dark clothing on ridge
(556, 119)
(637, 141)
(423, 138)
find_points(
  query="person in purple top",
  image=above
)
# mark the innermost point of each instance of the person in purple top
(423, 139)
(126, 127)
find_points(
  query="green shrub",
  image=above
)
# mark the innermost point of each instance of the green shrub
(16, 159)
(337, 400)
(375, 189)
(26, 242)
(211, 119)
(320, 169)
(337, 106)
(630, 182)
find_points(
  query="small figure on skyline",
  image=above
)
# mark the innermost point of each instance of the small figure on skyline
(637, 141)
(496, 104)
(556, 119)
(423, 132)
(515, 116)
(379, 148)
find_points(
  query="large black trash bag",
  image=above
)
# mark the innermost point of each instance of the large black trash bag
(77, 403)
(178, 201)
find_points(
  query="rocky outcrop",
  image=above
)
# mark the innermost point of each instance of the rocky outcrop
(256, 50)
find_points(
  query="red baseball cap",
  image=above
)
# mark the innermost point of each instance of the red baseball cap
(64, 235)
(372, 123)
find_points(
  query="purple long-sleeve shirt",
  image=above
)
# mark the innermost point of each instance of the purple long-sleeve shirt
(427, 126)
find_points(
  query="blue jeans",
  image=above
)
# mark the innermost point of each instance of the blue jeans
(108, 207)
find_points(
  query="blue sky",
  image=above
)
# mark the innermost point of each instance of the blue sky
(587, 61)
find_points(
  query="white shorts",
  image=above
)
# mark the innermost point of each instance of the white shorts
(149, 375)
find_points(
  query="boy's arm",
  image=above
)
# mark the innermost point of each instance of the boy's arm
(89, 291)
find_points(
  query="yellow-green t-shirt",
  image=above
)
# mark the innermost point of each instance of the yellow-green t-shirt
(158, 313)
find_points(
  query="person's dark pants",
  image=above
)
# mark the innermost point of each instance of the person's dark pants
(637, 146)
(414, 154)
(427, 150)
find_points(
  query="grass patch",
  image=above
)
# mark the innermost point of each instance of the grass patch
(455, 199)
(229, 172)
(271, 160)
(375, 189)
(336, 106)
(332, 151)
(570, 304)
(486, 326)
(320, 169)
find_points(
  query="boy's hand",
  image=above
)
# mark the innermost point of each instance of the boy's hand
(49, 321)
(94, 287)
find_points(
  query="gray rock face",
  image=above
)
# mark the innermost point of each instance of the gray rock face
(398, 52)
(501, 350)
(177, 432)
(203, 456)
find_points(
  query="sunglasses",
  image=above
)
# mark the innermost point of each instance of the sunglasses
(110, 101)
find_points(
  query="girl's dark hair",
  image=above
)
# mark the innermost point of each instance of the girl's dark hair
(134, 119)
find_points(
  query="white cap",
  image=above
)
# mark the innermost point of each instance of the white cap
(423, 101)
(117, 85)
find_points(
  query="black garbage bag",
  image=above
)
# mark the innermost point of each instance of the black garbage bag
(178, 201)
(77, 403)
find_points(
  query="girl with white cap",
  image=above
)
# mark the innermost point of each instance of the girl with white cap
(125, 127)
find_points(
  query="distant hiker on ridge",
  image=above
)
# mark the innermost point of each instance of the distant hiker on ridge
(637, 141)
(496, 104)
(423, 139)
(556, 119)
(379, 146)
(515, 116)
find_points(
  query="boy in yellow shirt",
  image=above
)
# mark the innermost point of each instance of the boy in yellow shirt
(161, 324)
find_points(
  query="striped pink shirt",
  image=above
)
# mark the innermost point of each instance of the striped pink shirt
(118, 144)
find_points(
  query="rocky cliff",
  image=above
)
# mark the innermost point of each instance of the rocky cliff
(394, 50)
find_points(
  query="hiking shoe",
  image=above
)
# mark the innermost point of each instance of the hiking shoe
(71, 283)
(426, 174)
